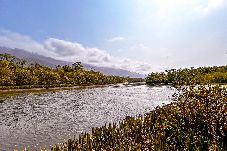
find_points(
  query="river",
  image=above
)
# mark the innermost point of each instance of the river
(35, 119)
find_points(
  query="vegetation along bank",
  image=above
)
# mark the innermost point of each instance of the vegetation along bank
(16, 74)
(202, 75)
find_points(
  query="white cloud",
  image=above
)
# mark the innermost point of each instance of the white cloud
(116, 39)
(63, 48)
(71, 51)
(16, 40)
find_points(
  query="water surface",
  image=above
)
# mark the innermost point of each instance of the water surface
(39, 119)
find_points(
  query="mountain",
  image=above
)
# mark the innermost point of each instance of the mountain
(33, 57)
(51, 62)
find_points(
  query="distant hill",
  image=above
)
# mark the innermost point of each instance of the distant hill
(51, 62)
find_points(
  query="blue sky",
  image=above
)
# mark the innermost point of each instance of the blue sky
(138, 35)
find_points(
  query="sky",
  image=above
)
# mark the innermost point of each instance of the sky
(138, 35)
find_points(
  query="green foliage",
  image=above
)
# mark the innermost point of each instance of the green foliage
(16, 74)
(202, 75)
(7, 73)
(77, 66)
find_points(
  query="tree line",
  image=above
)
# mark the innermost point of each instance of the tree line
(187, 76)
(16, 72)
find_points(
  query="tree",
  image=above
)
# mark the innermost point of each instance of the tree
(6, 73)
(77, 66)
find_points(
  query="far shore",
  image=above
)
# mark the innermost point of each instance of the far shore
(38, 89)
(70, 87)
(18, 90)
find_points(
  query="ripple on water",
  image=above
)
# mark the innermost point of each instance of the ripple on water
(50, 117)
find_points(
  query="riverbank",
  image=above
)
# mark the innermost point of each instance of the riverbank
(28, 88)
(189, 76)
(44, 88)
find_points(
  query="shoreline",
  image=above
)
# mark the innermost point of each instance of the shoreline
(18, 90)
(38, 89)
